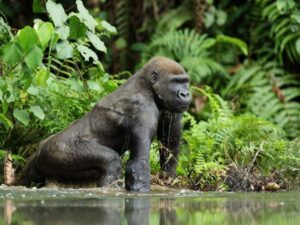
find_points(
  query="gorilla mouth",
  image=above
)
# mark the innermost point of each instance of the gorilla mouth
(184, 106)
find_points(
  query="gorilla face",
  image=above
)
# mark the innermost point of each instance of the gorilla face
(172, 90)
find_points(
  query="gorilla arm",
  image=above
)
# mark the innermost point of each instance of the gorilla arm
(169, 134)
(137, 171)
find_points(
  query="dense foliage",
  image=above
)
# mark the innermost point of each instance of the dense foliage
(240, 133)
(50, 76)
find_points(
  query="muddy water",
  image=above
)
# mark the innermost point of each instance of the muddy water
(161, 207)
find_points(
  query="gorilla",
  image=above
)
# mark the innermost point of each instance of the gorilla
(148, 105)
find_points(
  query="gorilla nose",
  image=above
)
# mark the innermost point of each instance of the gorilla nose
(183, 95)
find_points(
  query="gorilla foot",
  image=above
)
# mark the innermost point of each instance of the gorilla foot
(137, 176)
(112, 174)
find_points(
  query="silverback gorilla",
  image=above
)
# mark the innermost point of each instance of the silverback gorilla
(148, 105)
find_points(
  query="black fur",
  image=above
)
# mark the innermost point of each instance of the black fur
(150, 103)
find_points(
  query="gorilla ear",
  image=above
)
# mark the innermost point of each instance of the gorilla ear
(153, 77)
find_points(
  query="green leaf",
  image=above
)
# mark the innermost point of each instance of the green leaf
(281, 5)
(4, 106)
(77, 29)
(93, 85)
(235, 41)
(34, 57)
(87, 53)
(107, 26)
(208, 43)
(221, 17)
(64, 50)
(45, 32)
(11, 95)
(42, 77)
(138, 47)
(98, 44)
(57, 13)
(298, 45)
(38, 112)
(76, 85)
(209, 19)
(27, 38)
(291, 4)
(26, 78)
(7, 123)
(54, 40)
(121, 43)
(85, 16)
(63, 32)
(33, 90)
(12, 53)
(285, 5)
(22, 116)
(38, 6)
(296, 16)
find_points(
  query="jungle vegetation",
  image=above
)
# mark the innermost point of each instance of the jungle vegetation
(57, 58)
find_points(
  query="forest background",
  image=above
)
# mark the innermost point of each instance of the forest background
(57, 58)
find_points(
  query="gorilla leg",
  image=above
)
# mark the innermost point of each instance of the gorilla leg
(85, 161)
(30, 175)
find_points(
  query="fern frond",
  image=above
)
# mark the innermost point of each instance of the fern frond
(174, 18)
(270, 93)
(123, 18)
(188, 48)
(65, 68)
(219, 108)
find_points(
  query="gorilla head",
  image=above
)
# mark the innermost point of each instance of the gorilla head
(170, 84)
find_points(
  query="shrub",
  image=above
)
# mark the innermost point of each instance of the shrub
(244, 141)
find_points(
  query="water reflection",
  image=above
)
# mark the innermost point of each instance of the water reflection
(137, 211)
(9, 209)
(220, 209)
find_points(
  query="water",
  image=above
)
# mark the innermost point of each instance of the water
(162, 207)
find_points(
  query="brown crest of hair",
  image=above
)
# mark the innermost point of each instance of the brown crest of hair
(165, 65)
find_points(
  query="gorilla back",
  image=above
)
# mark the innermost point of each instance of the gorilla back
(149, 104)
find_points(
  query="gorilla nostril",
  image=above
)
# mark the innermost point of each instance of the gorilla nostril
(183, 94)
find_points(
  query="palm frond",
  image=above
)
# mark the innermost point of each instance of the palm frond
(285, 28)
